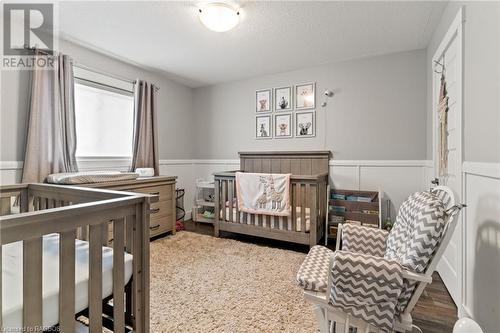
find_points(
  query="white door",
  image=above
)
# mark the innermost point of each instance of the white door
(449, 55)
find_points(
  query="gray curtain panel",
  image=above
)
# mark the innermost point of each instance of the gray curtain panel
(145, 146)
(51, 135)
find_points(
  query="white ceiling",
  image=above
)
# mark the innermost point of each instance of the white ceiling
(272, 37)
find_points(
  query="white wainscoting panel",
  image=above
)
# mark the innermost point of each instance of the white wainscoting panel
(395, 179)
(481, 291)
(10, 172)
(344, 177)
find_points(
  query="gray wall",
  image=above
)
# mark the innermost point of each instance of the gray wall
(482, 78)
(378, 111)
(174, 105)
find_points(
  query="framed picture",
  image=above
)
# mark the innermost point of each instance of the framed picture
(305, 124)
(283, 99)
(263, 127)
(283, 125)
(305, 96)
(263, 100)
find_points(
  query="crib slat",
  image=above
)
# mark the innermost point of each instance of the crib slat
(236, 202)
(218, 207)
(224, 191)
(295, 203)
(276, 222)
(313, 204)
(24, 207)
(304, 195)
(118, 276)
(67, 281)
(129, 223)
(230, 195)
(104, 234)
(32, 282)
(43, 203)
(95, 279)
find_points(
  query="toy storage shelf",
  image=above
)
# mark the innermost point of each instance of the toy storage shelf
(353, 206)
(203, 202)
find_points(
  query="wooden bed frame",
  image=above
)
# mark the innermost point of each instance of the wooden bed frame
(308, 189)
(81, 213)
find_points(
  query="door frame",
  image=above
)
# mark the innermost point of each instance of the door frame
(456, 28)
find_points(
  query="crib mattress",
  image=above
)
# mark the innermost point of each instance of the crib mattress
(12, 274)
(282, 225)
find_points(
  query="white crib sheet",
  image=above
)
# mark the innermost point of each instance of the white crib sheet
(12, 274)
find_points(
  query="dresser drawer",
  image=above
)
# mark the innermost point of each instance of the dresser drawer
(164, 192)
(161, 208)
(161, 218)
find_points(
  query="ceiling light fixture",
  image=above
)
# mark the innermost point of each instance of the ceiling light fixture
(219, 17)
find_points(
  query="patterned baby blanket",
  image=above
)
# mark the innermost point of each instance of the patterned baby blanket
(263, 193)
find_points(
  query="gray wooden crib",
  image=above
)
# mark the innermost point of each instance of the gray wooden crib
(59, 264)
(308, 193)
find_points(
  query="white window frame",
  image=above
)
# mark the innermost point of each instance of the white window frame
(89, 77)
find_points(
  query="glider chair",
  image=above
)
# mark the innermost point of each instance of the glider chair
(374, 278)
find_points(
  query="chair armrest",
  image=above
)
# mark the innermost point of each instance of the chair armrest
(412, 276)
(359, 239)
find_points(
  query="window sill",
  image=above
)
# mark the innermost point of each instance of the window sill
(87, 163)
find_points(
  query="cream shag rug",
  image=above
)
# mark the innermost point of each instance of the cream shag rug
(201, 283)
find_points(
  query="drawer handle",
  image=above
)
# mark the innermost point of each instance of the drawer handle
(155, 227)
(155, 193)
(154, 211)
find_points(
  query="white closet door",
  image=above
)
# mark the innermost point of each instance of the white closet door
(450, 265)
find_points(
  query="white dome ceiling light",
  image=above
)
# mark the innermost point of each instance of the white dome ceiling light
(219, 17)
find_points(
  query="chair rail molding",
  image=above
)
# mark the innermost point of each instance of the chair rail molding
(484, 169)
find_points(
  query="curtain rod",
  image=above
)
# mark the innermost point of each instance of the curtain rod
(76, 64)
(98, 71)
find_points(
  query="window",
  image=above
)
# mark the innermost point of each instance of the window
(104, 119)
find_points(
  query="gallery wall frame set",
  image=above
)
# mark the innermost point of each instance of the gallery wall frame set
(283, 100)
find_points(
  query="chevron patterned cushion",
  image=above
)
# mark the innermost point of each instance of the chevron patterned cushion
(414, 238)
(359, 239)
(366, 287)
(313, 273)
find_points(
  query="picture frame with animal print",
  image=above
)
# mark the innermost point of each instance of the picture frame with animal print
(263, 100)
(305, 124)
(263, 127)
(283, 128)
(283, 99)
(305, 96)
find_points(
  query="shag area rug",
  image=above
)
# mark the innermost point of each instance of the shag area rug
(201, 283)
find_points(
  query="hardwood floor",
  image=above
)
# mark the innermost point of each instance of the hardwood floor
(435, 311)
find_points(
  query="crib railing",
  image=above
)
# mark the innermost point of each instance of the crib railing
(80, 213)
(305, 225)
